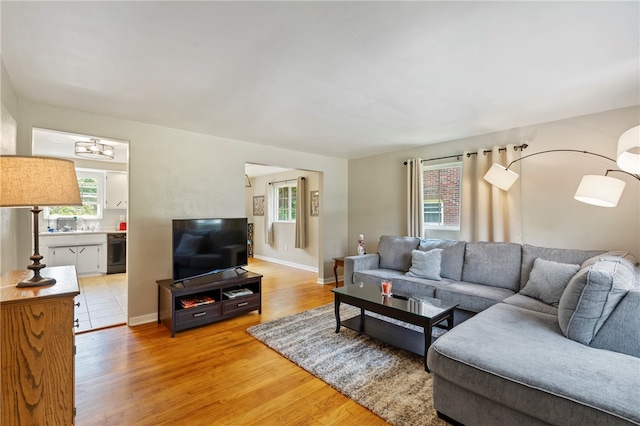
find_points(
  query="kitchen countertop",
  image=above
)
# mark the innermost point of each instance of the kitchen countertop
(105, 231)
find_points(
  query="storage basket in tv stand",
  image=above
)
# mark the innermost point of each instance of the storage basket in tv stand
(178, 318)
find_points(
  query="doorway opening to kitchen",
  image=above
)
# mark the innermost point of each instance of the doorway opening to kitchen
(92, 236)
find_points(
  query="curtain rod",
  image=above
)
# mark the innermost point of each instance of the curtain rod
(469, 154)
(287, 180)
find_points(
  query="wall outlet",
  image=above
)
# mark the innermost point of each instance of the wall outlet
(286, 246)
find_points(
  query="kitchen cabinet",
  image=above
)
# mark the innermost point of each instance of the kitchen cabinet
(117, 191)
(87, 252)
(85, 258)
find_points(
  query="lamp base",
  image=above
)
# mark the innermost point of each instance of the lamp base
(36, 266)
(36, 282)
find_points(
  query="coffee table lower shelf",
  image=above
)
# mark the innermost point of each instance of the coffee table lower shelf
(386, 332)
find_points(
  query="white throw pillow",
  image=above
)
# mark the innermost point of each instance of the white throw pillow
(548, 280)
(426, 264)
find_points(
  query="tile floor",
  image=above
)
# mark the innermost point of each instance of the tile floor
(103, 302)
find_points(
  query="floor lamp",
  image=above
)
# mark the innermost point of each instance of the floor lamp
(603, 191)
(34, 182)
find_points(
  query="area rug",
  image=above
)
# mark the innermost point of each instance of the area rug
(390, 382)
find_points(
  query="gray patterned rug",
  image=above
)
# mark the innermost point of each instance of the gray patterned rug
(390, 382)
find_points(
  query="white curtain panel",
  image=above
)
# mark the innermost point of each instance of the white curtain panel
(301, 214)
(269, 208)
(488, 213)
(415, 204)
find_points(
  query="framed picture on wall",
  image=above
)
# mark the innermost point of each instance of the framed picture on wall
(315, 203)
(258, 205)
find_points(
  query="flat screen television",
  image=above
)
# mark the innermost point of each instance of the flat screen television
(207, 246)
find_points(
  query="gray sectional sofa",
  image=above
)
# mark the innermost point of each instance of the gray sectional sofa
(542, 335)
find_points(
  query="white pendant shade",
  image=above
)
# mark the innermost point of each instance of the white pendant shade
(629, 151)
(501, 177)
(603, 191)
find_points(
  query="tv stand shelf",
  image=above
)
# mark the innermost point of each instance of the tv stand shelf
(196, 293)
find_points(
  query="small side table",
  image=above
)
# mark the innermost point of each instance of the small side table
(337, 261)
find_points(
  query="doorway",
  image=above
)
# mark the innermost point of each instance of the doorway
(103, 299)
(259, 179)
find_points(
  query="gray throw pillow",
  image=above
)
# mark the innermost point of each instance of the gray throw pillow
(591, 296)
(395, 252)
(426, 264)
(452, 256)
(548, 280)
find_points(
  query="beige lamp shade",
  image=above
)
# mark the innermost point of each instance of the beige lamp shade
(501, 177)
(629, 151)
(603, 191)
(38, 181)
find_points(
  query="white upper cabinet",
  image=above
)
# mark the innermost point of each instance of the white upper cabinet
(117, 194)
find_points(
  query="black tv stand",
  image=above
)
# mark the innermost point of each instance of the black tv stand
(244, 271)
(203, 301)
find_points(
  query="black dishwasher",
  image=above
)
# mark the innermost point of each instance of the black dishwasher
(116, 253)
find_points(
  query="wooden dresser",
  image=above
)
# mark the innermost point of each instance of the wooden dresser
(37, 345)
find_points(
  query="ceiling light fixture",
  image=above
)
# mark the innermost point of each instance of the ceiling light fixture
(601, 191)
(94, 149)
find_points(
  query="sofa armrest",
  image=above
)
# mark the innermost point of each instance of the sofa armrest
(361, 262)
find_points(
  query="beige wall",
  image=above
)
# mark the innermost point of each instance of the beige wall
(551, 217)
(283, 248)
(8, 217)
(178, 174)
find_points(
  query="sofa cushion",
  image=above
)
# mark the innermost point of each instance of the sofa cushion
(531, 253)
(494, 264)
(472, 297)
(407, 285)
(621, 331)
(530, 303)
(452, 256)
(395, 252)
(624, 256)
(591, 296)
(426, 264)
(374, 276)
(548, 279)
(520, 359)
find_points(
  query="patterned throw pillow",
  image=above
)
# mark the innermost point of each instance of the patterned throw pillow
(548, 280)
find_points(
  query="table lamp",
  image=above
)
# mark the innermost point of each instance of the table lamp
(33, 182)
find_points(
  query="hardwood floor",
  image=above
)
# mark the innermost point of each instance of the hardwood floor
(212, 375)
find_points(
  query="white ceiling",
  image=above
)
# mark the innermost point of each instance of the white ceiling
(344, 79)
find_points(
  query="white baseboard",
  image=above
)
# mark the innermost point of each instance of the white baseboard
(284, 262)
(330, 280)
(144, 319)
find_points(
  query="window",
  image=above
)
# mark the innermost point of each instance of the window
(441, 196)
(433, 214)
(91, 186)
(286, 202)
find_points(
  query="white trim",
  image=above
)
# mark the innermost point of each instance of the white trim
(143, 319)
(284, 262)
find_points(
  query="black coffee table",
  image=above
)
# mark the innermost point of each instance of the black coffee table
(418, 310)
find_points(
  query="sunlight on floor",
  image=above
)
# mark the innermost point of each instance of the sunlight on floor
(103, 302)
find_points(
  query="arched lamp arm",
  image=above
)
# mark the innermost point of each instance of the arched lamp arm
(561, 150)
(621, 171)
